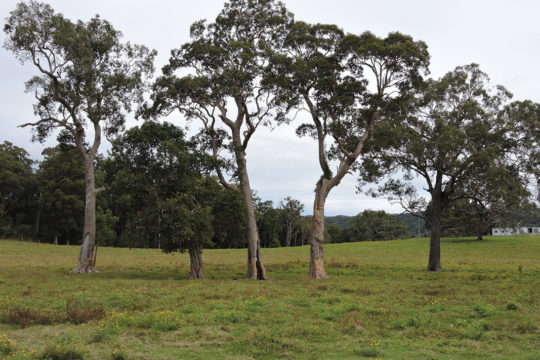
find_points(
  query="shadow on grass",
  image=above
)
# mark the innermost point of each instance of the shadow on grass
(464, 240)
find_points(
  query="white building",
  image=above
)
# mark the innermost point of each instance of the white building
(515, 231)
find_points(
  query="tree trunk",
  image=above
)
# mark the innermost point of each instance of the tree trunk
(86, 255)
(55, 240)
(289, 234)
(316, 238)
(255, 267)
(480, 237)
(434, 263)
(195, 260)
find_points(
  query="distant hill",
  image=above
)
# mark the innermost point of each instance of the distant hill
(342, 221)
(415, 225)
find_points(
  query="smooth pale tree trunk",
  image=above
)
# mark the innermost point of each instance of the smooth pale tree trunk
(255, 267)
(196, 263)
(434, 263)
(86, 255)
(316, 264)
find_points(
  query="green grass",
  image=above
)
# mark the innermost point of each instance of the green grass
(378, 303)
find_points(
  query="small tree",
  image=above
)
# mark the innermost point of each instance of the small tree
(61, 180)
(17, 191)
(170, 199)
(87, 76)
(291, 212)
(458, 143)
(345, 82)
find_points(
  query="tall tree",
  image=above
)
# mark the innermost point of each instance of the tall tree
(458, 143)
(345, 82)
(87, 76)
(225, 61)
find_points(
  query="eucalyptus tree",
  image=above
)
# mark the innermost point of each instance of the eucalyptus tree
(291, 211)
(346, 83)
(87, 80)
(221, 86)
(460, 146)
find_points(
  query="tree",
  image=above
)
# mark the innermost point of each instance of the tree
(269, 223)
(17, 191)
(375, 226)
(61, 185)
(170, 197)
(291, 212)
(225, 61)
(87, 76)
(457, 142)
(346, 83)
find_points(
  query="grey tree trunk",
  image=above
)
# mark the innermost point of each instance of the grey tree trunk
(434, 263)
(196, 263)
(86, 255)
(289, 233)
(316, 263)
(255, 267)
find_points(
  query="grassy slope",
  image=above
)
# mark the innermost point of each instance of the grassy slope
(377, 303)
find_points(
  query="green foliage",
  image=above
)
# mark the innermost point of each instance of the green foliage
(162, 198)
(376, 225)
(62, 190)
(85, 71)
(17, 192)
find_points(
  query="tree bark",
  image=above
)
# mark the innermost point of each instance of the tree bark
(86, 255)
(316, 238)
(196, 263)
(434, 263)
(255, 267)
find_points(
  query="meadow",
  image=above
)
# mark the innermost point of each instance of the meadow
(377, 303)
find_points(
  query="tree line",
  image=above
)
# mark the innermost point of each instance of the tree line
(372, 111)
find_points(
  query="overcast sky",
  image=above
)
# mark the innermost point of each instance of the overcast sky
(502, 36)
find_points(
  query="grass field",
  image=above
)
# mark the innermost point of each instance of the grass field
(378, 303)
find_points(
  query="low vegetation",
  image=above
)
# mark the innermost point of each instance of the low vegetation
(377, 303)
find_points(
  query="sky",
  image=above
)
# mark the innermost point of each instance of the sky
(502, 36)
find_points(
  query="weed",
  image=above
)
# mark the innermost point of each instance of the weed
(24, 317)
(81, 313)
(61, 352)
(512, 306)
(7, 346)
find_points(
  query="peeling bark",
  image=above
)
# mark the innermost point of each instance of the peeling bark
(196, 263)
(316, 238)
(255, 267)
(86, 255)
